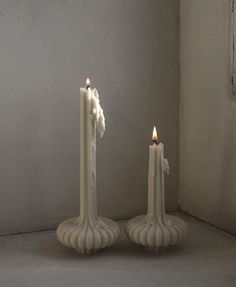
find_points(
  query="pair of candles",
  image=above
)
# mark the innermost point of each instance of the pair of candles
(89, 104)
(89, 232)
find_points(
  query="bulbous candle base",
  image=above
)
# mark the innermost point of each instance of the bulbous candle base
(156, 230)
(87, 236)
(88, 232)
(156, 234)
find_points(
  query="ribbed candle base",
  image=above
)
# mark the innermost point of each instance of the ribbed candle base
(87, 237)
(155, 234)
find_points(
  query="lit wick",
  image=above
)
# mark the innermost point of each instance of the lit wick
(87, 83)
(154, 136)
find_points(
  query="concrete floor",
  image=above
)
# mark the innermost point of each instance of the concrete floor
(207, 257)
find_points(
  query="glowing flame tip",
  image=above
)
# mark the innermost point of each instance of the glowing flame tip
(154, 135)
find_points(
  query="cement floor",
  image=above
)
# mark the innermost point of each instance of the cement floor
(207, 257)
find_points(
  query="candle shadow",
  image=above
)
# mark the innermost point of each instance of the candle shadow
(45, 246)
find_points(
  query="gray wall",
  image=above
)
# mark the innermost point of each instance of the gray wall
(207, 114)
(129, 49)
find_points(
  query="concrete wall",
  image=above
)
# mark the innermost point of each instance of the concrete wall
(207, 113)
(129, 49)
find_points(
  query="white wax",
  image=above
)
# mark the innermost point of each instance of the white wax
(88, 232)
(91, 117)
(156, 198)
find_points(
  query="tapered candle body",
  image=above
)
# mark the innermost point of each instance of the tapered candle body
(88, 232)
(156, 196)
(88, 203)
(156, 230)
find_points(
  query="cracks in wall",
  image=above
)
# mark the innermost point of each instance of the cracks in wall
(233, 60)
(30, 231)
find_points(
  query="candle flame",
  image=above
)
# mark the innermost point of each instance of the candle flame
(87, 83)
(154, 135)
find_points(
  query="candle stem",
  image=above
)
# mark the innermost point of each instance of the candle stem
(88, 207)
(156, 200)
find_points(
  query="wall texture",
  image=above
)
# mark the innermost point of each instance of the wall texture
(129, 49)
(207, 114)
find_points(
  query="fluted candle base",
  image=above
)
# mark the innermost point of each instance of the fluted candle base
(87, 237)
(155, 234)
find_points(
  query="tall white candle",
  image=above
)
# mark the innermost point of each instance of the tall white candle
(91, 115)
(88, 232)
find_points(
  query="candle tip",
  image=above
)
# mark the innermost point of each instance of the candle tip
(154, 135)
(87, 83)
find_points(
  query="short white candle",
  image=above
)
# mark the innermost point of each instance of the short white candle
(156, 230)
(156, 200)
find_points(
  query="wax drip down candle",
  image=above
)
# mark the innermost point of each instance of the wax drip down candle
(88, 232)
(156, 230)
